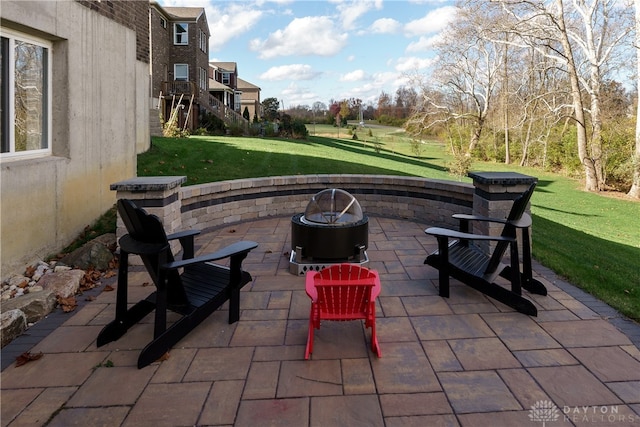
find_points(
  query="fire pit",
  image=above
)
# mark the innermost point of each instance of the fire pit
(332, 229)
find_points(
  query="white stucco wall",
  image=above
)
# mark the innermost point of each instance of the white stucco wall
(100, 120)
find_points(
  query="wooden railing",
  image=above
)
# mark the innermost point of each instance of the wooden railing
(229, 116)
(179, 88)
(226, 114)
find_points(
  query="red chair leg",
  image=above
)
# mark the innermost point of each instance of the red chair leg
(309, 349)
(375, 347)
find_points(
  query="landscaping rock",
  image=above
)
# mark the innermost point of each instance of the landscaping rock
(12, 324)
(62, 283)
(95, 253)
(34, 305)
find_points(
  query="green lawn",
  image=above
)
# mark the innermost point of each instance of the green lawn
(592, 240)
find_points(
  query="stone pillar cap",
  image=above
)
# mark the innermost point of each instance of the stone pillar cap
(149, 183)
(502, 178)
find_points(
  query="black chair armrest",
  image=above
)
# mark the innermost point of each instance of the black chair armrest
(524, 222)
(445, 232)
(234, 249)
(183, 234)
(478, 218)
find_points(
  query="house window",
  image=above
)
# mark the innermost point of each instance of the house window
(204, 41)
(226, 79)
(181, 72)
(181, 34)
(25, 94)
(237, 101)
(204, 81)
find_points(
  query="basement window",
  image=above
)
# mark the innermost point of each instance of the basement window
(25, 95)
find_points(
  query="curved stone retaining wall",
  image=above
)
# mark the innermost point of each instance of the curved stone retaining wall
(418, 199)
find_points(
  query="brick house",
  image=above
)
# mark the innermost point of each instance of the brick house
(225, 94)
(250, 98)
(179, 62)
(75, 113)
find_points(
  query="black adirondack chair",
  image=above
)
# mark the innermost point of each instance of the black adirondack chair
(199, 290)
(458, 257)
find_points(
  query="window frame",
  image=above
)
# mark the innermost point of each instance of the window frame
(204, 42)
(175, 72)
(8, 95)
(204, 79)
(184, 42)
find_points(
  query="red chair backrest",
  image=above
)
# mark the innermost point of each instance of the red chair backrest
(344, 292)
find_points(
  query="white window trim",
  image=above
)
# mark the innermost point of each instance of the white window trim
(203, 41)
(175, 34)
(204, 79)
(175, 72)
(43, 152)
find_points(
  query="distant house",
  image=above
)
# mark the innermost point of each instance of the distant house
(74, 114)
(223, 87)
(250, 98)
(180, 63)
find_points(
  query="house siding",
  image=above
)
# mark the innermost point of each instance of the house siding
(100, 117)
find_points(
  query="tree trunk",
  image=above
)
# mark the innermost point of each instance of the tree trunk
(475, 138)
(591, 177)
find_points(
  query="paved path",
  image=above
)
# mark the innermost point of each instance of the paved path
(462, 361)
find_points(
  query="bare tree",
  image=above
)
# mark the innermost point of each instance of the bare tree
(582, 38)
(466, 79)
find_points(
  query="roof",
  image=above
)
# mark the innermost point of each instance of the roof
(243, 84)
(227, 66)
(217, 86)
(184, 12)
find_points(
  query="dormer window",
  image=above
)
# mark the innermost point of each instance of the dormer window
(181, 34)
(226, 78)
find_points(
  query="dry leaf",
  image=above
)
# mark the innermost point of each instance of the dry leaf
(68, 304)
(27, 357)
(109, 274)
(145, 284)
(108, 288)
(29, 271)
(233, 230)
(164, 357)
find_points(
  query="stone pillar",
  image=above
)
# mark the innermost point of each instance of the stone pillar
(158, 195)
(493, 197)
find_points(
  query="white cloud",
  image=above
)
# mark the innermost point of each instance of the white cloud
(351, 11)
(311, 35)
(290, 72)
(433, 22)
(413, 63)
(353, 76)
(423, 44)
(385, 26)
(226, 24)
(294, 95)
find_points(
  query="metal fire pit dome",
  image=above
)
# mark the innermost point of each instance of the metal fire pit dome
(333, 207)
(332, 229)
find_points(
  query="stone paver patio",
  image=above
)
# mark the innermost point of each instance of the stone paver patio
(462, 361)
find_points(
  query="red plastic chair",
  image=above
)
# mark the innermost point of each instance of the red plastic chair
(343, 292)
